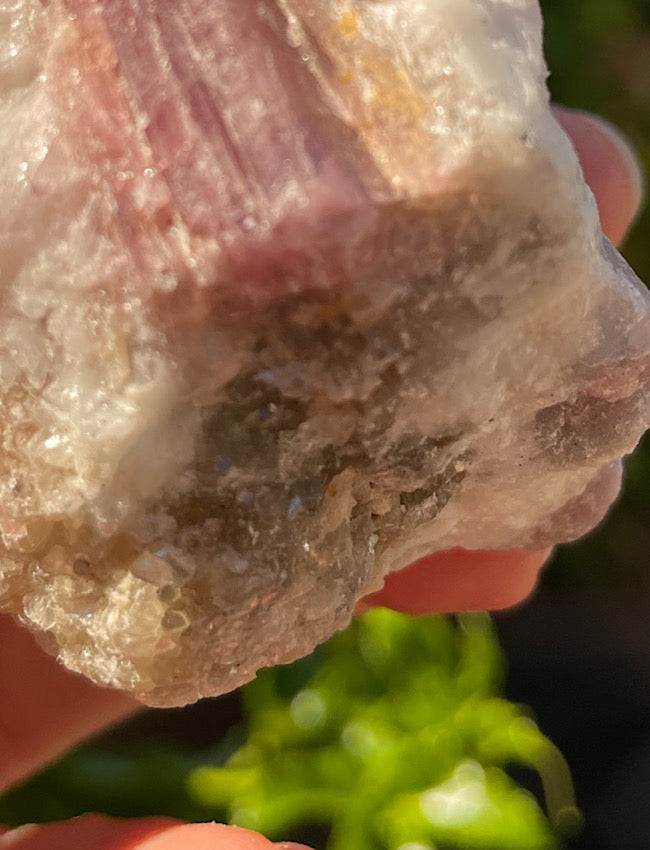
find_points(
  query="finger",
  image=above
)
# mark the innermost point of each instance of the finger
(44, 709)
(212, 836)
(611, 169)
(100, 833)
(460, 580)
(86, 833)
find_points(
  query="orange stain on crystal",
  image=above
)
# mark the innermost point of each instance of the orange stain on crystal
(348, 25)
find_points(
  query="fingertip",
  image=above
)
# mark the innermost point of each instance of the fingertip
(210, 836)
(95, 832)
(611, 168)
(460, 580)
(205, 836)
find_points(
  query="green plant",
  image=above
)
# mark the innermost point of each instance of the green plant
(394, 735)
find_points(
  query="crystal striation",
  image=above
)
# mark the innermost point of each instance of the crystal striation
(292, 293)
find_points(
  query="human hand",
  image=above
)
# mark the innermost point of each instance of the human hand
(46, 709)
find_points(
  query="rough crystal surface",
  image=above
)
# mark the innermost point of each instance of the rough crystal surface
(292, 293)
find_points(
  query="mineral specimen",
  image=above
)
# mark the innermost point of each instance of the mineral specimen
(292, 293)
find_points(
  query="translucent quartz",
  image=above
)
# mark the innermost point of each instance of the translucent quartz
(292, 293)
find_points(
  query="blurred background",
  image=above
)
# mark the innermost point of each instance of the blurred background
(578, 653)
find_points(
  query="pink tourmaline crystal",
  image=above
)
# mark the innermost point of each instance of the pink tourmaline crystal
(292, 293)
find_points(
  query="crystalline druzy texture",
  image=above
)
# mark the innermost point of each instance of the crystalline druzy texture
(292, 293)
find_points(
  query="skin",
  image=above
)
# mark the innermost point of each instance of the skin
(451, 581)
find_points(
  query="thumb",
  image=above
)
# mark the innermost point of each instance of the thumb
(210, 836)
(100, 833)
